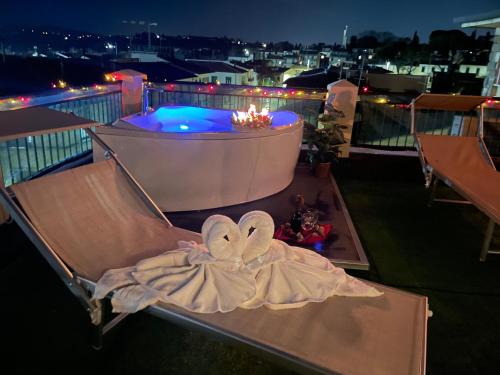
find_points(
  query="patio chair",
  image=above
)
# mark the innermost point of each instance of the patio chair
(461, 162)
(96, 217)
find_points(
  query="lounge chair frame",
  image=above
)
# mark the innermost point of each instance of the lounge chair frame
(80, 287)
(433, 178)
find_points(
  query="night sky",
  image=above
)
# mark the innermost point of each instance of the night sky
(303, 21)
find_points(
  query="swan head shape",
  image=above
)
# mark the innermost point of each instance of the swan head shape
(222, 237)
(257, 229)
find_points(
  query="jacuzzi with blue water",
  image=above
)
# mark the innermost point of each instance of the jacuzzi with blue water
(191, 158)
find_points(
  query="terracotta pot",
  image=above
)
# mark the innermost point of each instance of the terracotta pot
(322, 170)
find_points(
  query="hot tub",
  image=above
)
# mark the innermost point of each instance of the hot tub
(190, 158)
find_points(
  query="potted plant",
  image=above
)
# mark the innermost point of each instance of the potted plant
(324, 142)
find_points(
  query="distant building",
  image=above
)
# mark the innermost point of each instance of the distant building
(218, 72)
(290, 59)
(309, 58)
(491, 20)
(157, 71)
(338, 57)
(480, 71)
(427, 70)
(294, 71)
(240, 57)
(276, 60)
(145, 57)
(313, 79)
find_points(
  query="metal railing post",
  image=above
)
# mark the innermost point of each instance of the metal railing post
(412, 117)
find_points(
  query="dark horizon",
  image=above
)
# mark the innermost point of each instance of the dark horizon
(264, 21)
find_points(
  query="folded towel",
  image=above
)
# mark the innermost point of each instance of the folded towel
(290, 277)
(205, 278)
(236, 266)
(257, 229)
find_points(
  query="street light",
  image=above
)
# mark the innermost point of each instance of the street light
(149, 24)
(149, 33)
(362, 58)
(111, 46)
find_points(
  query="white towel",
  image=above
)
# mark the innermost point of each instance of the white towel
(290, 277)
(236, 266)
(257, 229)
(203, 278)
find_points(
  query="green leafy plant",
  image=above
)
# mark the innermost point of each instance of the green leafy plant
(325, 139)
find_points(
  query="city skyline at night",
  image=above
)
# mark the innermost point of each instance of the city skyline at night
(297, 21)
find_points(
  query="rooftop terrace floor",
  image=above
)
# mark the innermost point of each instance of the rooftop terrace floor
(431, 251)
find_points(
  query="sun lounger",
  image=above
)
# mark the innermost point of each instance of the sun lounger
(96, 217)
(461, 162)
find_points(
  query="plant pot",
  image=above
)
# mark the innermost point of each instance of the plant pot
(322, 170)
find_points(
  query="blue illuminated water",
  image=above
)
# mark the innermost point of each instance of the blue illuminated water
(183, 119)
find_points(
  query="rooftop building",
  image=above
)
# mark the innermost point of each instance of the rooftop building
(489, 21)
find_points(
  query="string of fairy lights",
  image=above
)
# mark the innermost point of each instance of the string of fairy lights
(65, 92)
(218, 88)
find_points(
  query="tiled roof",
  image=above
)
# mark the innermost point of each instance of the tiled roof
(159, 71)
(205, 66)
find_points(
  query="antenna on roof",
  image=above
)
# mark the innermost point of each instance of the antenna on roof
(344, 39)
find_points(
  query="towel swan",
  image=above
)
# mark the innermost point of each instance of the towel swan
(290, 277)
(202, 278)
(236, 266)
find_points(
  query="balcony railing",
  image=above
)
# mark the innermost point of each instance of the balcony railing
(377, 124)
(22, 158)
(234, 97)
(387, 125)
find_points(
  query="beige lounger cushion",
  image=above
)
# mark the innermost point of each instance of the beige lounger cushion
(94, 220)
(460, 161)
(342, 335)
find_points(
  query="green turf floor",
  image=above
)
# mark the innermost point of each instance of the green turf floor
(431, 251)
(428, 251)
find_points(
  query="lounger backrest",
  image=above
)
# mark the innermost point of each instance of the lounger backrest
(444, 114)
(94, 220)
(461, 161)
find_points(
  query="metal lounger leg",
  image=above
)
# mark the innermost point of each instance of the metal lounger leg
(433, 188)
(487, 240)
(99, 329)
(97, 332)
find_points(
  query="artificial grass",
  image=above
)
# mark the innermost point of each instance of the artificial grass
(428, 251)
(431, 251)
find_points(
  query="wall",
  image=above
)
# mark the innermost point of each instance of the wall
(491, 85)
(294, 71)
(236, 78)
(479, 70)
(421, 69)
(397, 82)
